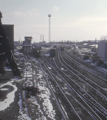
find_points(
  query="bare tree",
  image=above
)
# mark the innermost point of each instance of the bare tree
(104, 38)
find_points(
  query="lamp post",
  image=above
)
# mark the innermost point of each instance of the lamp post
(0, 16)
(49, 15)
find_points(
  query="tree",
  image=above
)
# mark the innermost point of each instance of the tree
(104, 38)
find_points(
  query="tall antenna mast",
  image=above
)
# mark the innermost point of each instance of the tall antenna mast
(49, 15)
(0, 16)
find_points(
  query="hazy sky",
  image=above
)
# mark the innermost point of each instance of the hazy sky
(70, 19)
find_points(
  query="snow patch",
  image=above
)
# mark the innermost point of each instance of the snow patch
(9, 97)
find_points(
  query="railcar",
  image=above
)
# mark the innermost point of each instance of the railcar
(62, 48)
(52, 52)
(38, 53)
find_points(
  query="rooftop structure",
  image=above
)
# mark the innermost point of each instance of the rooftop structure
(27, 45)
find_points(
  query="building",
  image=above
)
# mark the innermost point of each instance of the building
(27, 45)
(102, 50)
(9, 31)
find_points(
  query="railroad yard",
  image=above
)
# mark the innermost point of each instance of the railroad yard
(64, 87)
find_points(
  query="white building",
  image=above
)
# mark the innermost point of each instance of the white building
(102, 50)
(27, 45)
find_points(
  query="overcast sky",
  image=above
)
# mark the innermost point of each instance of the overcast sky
(74, 20)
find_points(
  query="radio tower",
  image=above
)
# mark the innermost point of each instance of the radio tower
(49, 15)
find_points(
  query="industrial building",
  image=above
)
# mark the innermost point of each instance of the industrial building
(27, 45)
(102, 50)
(6, 45)
(9, 31)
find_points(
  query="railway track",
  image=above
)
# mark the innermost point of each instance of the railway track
(86, 80)
(96, 80)
(95, 70)
(84, 106)
(64, 116)
(95, 103)
(64, 105)
(67, 87)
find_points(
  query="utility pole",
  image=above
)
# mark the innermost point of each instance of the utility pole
(49, 15)
(96, 45)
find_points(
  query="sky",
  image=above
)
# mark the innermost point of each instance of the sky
(74, 20)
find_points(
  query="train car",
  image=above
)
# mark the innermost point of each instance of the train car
(62, 48)
(37, 53)
(52, 52)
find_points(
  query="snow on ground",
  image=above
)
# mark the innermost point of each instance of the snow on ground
(7, 90)
(44, 96)
(40, 106)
